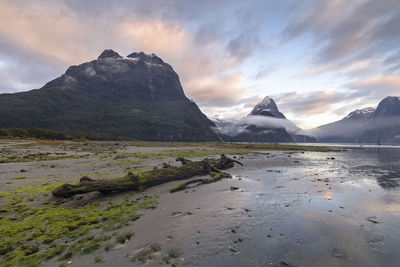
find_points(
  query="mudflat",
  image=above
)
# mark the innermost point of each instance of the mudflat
(288, 205)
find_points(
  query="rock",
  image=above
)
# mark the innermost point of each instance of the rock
(338, 254)
(109, 53)
(284, 263)
(234, 249)
(372, 219)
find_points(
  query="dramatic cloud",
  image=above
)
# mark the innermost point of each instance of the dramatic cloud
(316, 102)
(346, 32)
(233, 128)
(389, 84)
(70, 33)
(228, 54)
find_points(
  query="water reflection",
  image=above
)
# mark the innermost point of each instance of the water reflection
(320, 212)
(390, 180)
(383, 164)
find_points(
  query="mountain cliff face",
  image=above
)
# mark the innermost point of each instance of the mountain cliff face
(384, 124)
(369, 125)
(265, 123)
(267, 107)
(139, 96)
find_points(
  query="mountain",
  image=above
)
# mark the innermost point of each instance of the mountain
(384, 124)
(368, 125)
(138, 96)
(267, 107)
(265, 123)
(347, 130)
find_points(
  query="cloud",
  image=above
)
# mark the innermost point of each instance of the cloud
(336, 103)
(213, 45)
(243, 45)
(72, 32)
(392, 62)
(223, 91)
(316, 102)
(380, 84)
(346, 32)
(57, 34)
(353, 129)
(265, 71)
(235, 127)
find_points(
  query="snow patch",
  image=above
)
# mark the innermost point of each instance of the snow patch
(90, 72)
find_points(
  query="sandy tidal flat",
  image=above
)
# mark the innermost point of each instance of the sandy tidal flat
(297, 208)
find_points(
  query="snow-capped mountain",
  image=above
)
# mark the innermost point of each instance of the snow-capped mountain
(368, 125)
(267, 107)
(360, 114)
(265, 123)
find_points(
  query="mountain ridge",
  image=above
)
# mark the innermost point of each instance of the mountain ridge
(265, 123)
(368, 125)
(139, 97)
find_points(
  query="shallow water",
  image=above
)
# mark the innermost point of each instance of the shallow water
(341, 211)
(300, 209)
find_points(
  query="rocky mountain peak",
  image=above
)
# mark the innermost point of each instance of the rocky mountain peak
(149, 58)
(109, 53)
(360, 114)
(138, 97)
(267, 107)
(389, 106)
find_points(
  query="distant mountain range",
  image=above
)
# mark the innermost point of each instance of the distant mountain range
(138, 96)
(265, 123)
(368, 125)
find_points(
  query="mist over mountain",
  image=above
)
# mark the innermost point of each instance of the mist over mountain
(265, 123)
(368, 125)
(138, 96)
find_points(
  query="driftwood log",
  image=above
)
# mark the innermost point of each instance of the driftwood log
(140, 181)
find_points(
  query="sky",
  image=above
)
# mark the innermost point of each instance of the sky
(319, 60)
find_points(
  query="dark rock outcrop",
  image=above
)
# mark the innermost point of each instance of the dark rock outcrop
(109, 53)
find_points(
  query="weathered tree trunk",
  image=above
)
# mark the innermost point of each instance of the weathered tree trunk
(146, 179)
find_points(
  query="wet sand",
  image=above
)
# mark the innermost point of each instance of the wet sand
(285, 208)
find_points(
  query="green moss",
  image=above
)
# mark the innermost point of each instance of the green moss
(20, 178)
(175, 253)
(98, 259)
(57, 250)
(123, 237)
(126, 162)
(108, 246)
(135, 169)
(66, 256)
(23, 224)
(147, 253)
(87, 246)
(178, 187)
(40, 157)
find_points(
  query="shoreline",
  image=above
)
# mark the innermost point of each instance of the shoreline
(213, 224)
